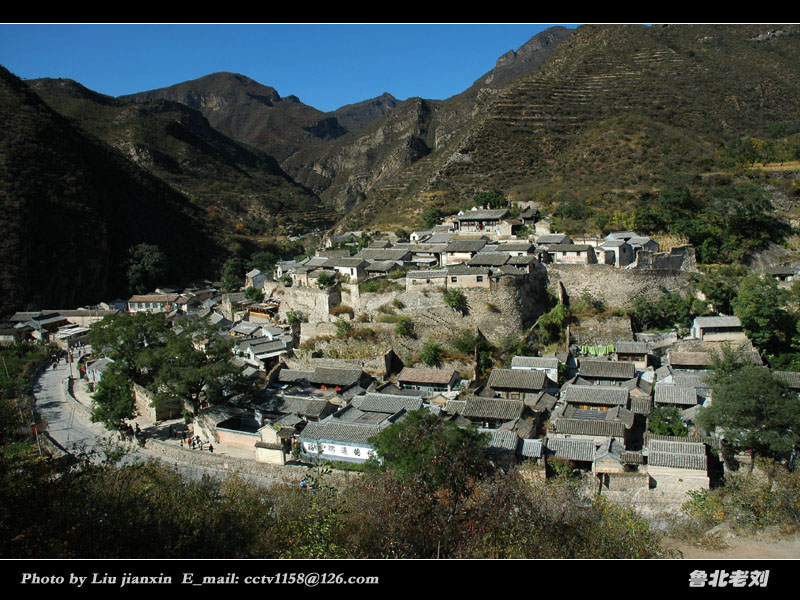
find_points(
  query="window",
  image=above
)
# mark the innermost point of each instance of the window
(479, 278)
(454, 279)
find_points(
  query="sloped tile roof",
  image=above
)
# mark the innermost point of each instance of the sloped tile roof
(572, 449)
(610, 369)
(517, 379)
(492, 408)
(595, 394)
(433, 376)
(673, 394)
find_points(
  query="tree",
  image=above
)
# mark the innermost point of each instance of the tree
(195, 367)
(439, 454)
(491, 199)
(113, 402)
(233, 274)
(431, 216)
(754, 410)
(131, 340)
(759, 304)
(666, 420)
(147, 267)
(254, 294)
(324, 281)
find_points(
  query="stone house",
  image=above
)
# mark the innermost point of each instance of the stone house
(718, 329)
(572, 254)
(519, 384)
(426, 279)
(677, 464)
(548, 364)
(620, 252)
(491, 413)
(352, 268)
(459, 251)
(463, 276)
(606, 371)
(430, 381)
(633, 352)
(153, 303)
(479, 220)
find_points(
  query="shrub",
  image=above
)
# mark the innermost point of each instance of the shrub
(405, 327)
(342, 309)
(431, 354)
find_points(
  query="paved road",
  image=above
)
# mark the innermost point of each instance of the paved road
(69, 426)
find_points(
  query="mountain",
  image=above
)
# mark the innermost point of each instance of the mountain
(237, 185)
(516, 63)
(355, 116)
(73, 207)
(250, 112)
(614, 111)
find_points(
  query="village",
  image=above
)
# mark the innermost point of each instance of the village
(324, 391)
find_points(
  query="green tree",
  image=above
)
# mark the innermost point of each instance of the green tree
(132, 341)
(324, 281)
(431, 217)
(195, 367)
(455, 299)
(760, 306)
(666, 420)
(113, 402)
(405, 327)
(491, 199)
(754, 410)
(720, 285)
(437, 453)
(431, 354)
(233, 274)
(254, 294)
(147, 267)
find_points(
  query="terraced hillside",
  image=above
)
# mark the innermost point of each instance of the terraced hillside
(615, 109)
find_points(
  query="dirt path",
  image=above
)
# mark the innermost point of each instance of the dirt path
(744, 548)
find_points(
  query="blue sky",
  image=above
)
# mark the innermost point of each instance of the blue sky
(325, 65)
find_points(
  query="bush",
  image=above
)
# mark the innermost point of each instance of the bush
(342, 309)
(405, 327)
(431, 354)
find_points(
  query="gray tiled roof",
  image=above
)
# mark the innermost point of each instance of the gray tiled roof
(466, 270)
(717, 322)
(673, 394)
(626, 347)
(517, 379)
(433, 376)
(489, 259)
(553, 238)
(503, 440)
(595, 394)
(427, 274)
(532, 448)
(641, 406)
(679, 455)
(610, 369)
(492, 408)
(541, 362)
(481, 215)
(515, 247)
(572, 449)
(333, 376)
(465, 246)
(337, 431)
(387, 403)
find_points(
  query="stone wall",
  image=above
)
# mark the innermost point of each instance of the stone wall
(615, 287)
